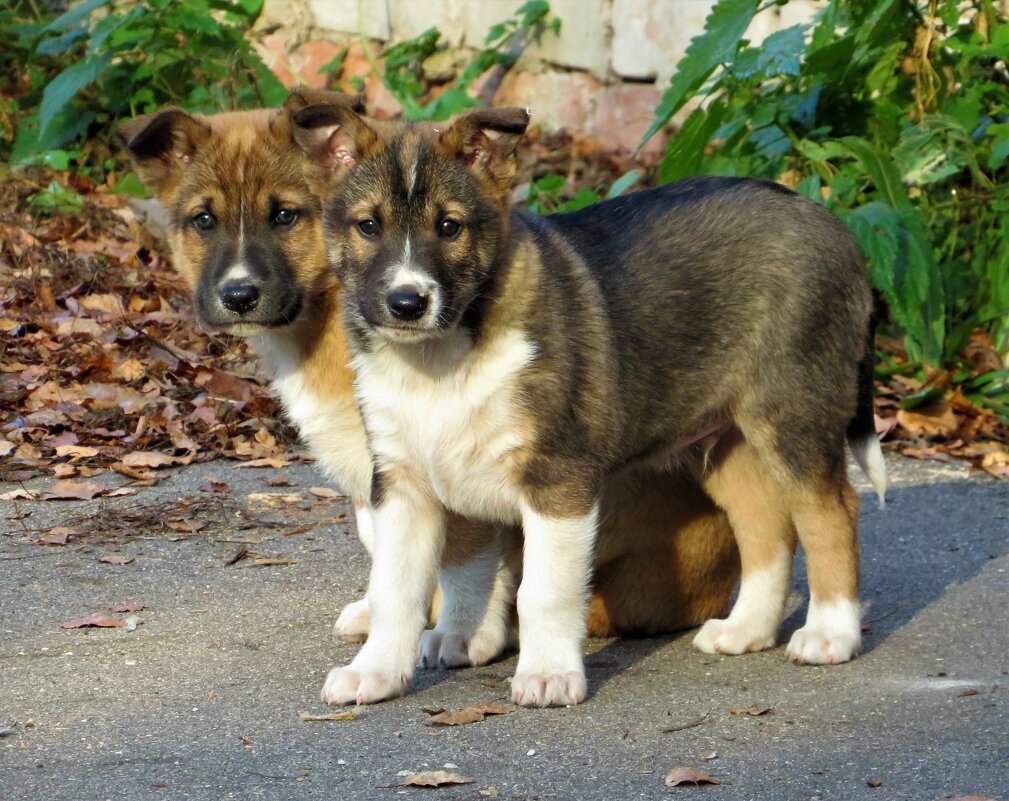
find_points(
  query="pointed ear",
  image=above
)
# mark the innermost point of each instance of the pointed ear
(162, 144)
(334, 138)
(485, 140)
(302, 96)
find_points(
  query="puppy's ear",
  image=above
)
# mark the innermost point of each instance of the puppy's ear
(302, 96)
(485, 140)
(334, 138)
(162, 144)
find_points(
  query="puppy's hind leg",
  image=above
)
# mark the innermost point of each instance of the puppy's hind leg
(739, 484)
(478, 586)
(827, 521)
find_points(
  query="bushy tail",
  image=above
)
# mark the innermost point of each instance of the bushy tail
(862, 429)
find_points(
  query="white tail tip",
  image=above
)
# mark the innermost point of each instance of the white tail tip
(869, 456)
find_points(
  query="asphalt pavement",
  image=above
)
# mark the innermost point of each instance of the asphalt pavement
(200, 696)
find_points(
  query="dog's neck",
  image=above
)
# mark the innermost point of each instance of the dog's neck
(314, 346)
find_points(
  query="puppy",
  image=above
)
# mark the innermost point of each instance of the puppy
(247, 235)
(512, 368)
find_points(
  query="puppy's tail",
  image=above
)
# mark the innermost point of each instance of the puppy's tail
(862, 429)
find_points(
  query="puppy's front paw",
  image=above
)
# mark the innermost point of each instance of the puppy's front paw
(541, 689)
(814, 646)
(726, 637)
(354, 621)
(345, 686)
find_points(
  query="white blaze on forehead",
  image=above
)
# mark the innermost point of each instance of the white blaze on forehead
(412, 179)
(236, 273)
(405, 273)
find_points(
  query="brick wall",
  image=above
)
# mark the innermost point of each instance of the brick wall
(603, 75)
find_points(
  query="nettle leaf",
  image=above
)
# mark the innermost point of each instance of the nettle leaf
(685, 154)
(64, 87)
(75, 15)
(724, 27)
(623, 183)
(879, 167)
(781, 52)
(902, 266)
(999, 146)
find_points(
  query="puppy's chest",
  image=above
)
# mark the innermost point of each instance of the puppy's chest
(459, 427)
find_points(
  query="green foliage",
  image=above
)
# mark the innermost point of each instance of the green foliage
(545, 193)
(894, 114)
(107, 59)
(402, 74)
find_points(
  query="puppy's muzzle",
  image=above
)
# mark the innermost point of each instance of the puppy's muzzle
(239, 298)
(407, 303)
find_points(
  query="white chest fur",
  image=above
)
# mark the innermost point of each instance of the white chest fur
(448, 415)
(331, 425)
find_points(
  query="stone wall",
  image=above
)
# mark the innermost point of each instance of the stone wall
(603, 75)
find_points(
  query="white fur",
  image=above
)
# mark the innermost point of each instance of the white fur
(752, 625)
(556, 564)
(332, 427)
(409, 536)
(446, 413)
(235, 273)
(832, 634)
(869, 456)
(473, 625)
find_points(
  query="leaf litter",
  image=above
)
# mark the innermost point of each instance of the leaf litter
(104, 364)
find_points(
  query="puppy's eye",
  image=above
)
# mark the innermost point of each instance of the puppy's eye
(204, 221)
(285, 217)
(368, 228)
(449, 229)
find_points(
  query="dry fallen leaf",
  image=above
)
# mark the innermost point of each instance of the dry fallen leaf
(114, 559)
(309, 716)
(18, 495)
(76, 451)
(268, 561)
(435, 778)
(685, 775)
(754, 711)
(324, 492)
(56, 536)
(150, 459)
(99, 619)
(127, 608)
(468, 714)
(275, 463)
(74, 491)
(937, 419)
(874, 782)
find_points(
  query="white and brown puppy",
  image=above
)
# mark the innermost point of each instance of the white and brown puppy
(511, 367)
(247, 235)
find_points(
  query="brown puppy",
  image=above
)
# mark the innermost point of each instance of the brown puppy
(247, 235)
(513, 368)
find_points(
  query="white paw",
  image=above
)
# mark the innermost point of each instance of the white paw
(814, 646)
(541, 689)
(345, 686)
(353, 623)
(728, 637)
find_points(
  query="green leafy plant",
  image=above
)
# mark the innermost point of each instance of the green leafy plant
(545, 193)
(106, 59)
(894, 114)
(402, 63)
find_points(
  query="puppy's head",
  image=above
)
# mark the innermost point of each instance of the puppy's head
(416, 214)
(245, 228)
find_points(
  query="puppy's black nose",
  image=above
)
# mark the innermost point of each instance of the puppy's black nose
(240, 298)
(407, 303)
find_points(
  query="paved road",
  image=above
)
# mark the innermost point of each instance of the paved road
(202, 699)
